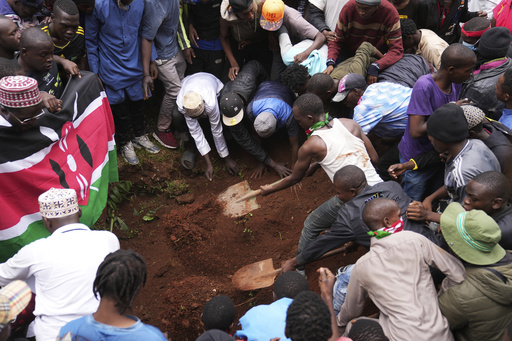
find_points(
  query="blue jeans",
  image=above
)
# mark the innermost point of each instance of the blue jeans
(415, 182)
(319, 220)
(340, 287)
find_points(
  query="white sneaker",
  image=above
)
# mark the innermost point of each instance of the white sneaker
(144, 142)
(128, 153)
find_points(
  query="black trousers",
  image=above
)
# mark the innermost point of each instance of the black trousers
(207, 61)
(129, 120)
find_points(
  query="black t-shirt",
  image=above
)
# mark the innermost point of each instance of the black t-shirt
(74, 49)
(205, 18)
(415, 10)
(49, 81)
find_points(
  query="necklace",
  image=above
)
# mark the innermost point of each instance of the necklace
(318, 125)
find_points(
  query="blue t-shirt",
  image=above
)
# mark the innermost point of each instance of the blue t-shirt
(506, 118)
(86, 328)
(160, 25)
(276, 98)
(265, 322)
(425, 98)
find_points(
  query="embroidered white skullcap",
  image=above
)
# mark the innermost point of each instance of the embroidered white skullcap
(193, 104)
(58, 203)
(19, 92)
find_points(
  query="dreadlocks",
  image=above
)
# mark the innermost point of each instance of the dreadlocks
(120, 277)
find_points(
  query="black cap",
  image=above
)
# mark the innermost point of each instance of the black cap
(448, 124)
(240, 5)
(232, 108)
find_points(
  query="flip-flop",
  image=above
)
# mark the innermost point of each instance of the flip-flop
(188, 160)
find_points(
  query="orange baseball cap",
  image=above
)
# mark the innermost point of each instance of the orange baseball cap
(272, 15)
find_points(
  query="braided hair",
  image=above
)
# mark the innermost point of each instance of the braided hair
(120, 277)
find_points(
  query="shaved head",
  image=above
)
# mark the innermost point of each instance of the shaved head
(309, 104)
(457, 55)
(376, 210)
(495, 183)
(349, 177)
(32, 37)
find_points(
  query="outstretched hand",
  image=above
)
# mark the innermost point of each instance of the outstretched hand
(259, 171)
(209, 172)
(329, 35)
(231, 165)
(416, 211)
(281, 169)
(396, 170)
(71, 68)
(328, 70)
(299, 58)
(289, 265)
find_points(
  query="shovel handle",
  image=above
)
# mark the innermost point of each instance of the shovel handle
(254, 193)
(249, 195)
(333, 252)
(325, 255)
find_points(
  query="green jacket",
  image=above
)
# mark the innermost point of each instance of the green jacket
(480, 308)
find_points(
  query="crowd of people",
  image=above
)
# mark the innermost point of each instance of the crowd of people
(405, 104)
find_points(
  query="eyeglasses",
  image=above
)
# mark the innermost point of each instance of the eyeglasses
(30, 119)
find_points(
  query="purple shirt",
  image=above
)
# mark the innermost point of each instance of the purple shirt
(425, 98)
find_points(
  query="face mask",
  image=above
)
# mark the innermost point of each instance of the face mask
(471, 46)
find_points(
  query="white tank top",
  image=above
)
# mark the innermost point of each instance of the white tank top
(343, 149)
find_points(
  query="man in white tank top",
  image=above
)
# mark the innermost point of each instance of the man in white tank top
(333, 144)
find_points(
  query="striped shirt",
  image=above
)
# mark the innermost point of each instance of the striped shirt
(383, 109)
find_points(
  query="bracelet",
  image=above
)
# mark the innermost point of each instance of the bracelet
(330, 62)
(415, 164)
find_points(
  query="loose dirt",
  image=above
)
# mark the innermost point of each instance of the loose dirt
(192, 249)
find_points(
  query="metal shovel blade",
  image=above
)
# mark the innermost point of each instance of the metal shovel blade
(228, 200)
(256, 275)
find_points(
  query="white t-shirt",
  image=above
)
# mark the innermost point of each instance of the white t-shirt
(62, 269)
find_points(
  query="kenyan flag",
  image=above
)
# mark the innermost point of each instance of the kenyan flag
(73, 148)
